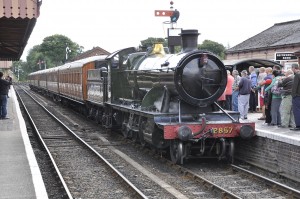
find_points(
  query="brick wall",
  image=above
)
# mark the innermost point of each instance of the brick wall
(272, 155)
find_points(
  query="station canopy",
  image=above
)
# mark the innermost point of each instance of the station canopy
(17, 20)
(243, 64)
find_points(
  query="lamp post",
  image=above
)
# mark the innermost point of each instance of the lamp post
(18, 72)
(40, 63)
(68, 51)
(45, 65)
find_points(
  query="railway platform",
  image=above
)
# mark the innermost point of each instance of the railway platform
(274, 132)
(275, 149)
(20, 176)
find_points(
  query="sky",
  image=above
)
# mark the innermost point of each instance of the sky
(117, 24)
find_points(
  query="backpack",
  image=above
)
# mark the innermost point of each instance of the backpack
(275, 89)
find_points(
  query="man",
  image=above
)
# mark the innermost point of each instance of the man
(296, 96)
(286, 110)
(267, 95)
(278, 68)
(228, 90)
(244, 89)
(253, 98)
(4, 87)
(235, 91)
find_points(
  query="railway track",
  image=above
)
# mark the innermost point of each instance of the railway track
(236, 182)
(231, 181)
(199, 180)
(67, 150)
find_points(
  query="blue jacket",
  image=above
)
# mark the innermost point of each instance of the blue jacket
(253, 77)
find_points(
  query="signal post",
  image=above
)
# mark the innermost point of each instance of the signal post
(173, 33)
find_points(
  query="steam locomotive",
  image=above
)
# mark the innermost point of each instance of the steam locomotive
(166, 101)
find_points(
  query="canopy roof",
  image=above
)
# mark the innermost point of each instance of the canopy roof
(280, 34)
(244, 64)
(17, 20)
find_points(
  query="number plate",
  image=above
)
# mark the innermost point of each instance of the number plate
(222, 130)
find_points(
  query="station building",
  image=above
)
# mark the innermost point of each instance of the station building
(95, 51)
(277, 44)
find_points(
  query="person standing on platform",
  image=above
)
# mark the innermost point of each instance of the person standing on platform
(235, 91)
(286, 110)
(228, 91)
(4, 87)
(222, 100)
(296, 96)
(9, 79)
(267, 95)
(276, 98)
(244, 89)
(262, 74)
(278, 68)
(253, 98)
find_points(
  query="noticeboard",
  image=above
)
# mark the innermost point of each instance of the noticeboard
(285, 56)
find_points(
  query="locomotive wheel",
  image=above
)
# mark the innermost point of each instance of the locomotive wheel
(143, 143)
(90, 113)
(230, 154)
(141, 135)
(135, 137)
(124, 130)
(176, 152)
(98, 117)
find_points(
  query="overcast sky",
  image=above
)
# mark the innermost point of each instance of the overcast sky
(116, 24)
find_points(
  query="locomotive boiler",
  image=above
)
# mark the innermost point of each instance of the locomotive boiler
(198, 78)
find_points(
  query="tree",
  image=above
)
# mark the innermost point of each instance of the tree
(54, 48)
(51, 53)
(213, 47)
(35, 58)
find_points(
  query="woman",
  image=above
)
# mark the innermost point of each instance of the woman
(235, 93)
(262, 74)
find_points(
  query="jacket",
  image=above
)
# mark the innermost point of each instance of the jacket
(4, 87)
(286, 85)
(296, 85)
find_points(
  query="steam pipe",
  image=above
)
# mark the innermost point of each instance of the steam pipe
(179, 112)
(202, 128)
(234, 120)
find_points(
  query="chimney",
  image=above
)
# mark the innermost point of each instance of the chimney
(189, 40)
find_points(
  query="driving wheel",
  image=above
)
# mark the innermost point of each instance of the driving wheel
(176, 152)
(230, 154)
